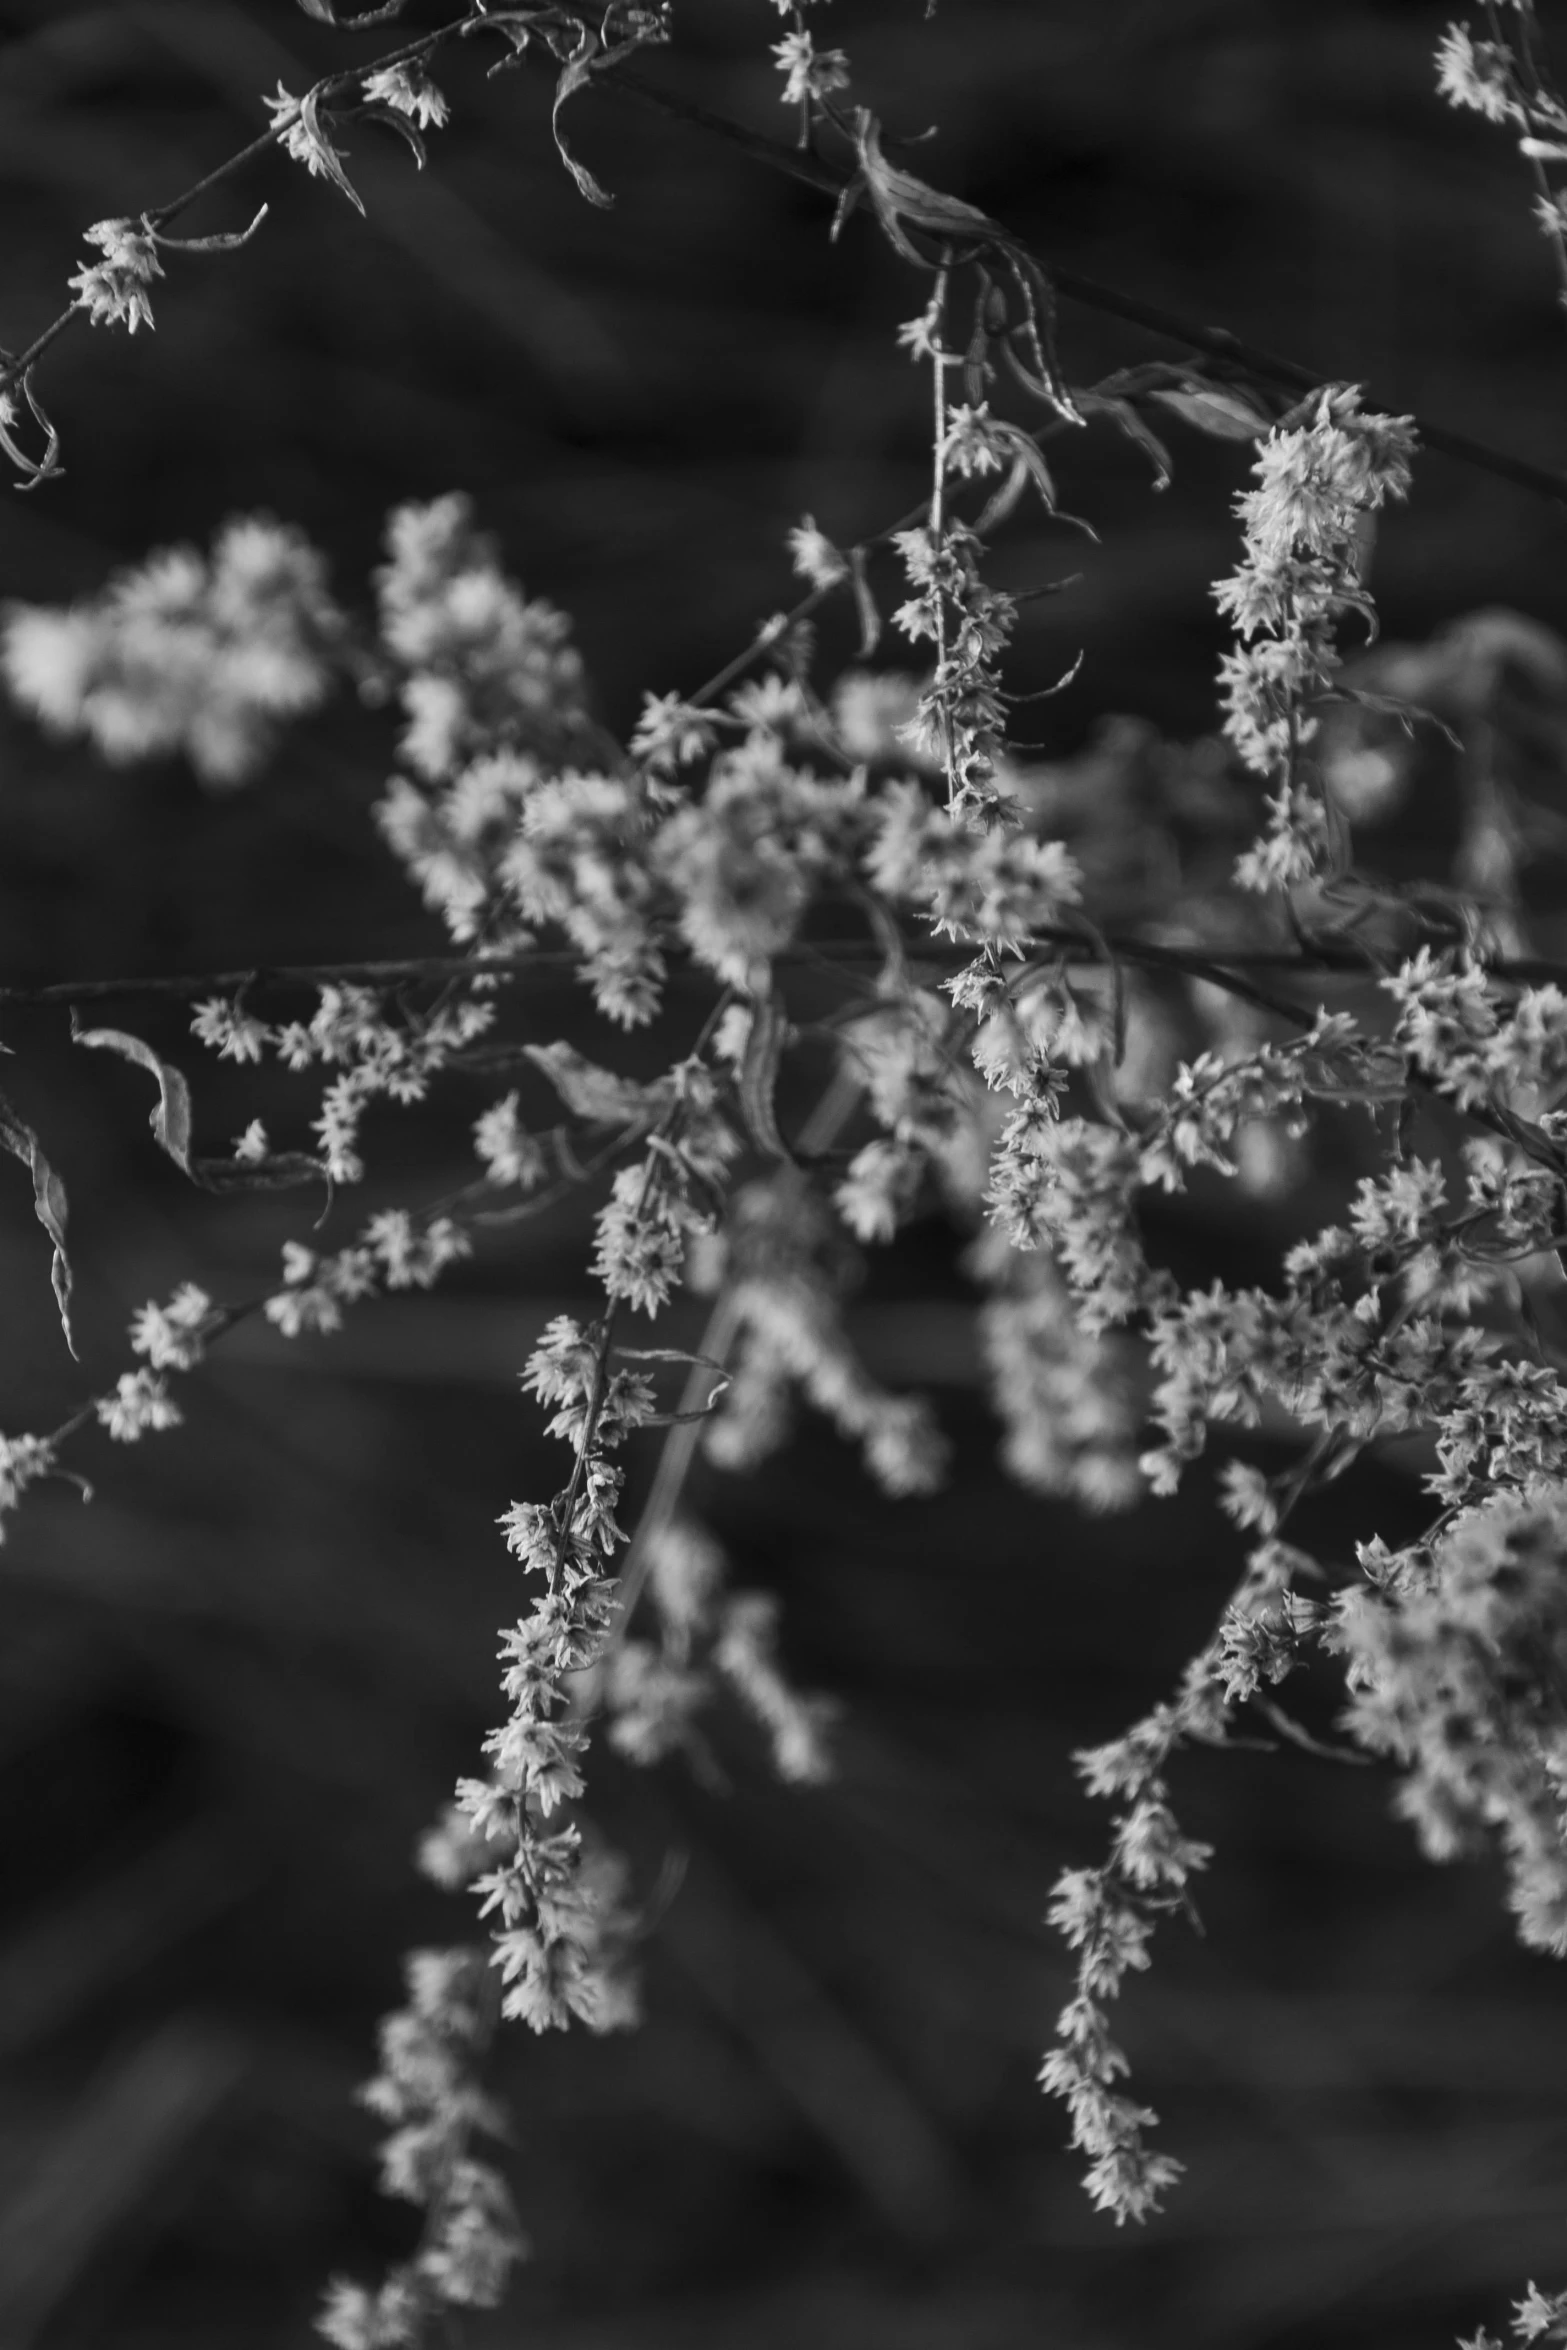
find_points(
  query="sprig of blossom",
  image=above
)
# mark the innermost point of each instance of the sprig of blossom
(1459, 1677)
(779, 1277)
(810, 74)
(24, 1461)
(427, 2094)
(140, 1405)
(173, 1337)
(657, 1203)
(377, 1058)
(483, 668)
(653, 1693)
(1321, 475)
(408, 90)
(1505, 83)
(115, 290)
(1107, 1915)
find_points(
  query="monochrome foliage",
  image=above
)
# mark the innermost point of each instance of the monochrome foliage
(1028, 1038)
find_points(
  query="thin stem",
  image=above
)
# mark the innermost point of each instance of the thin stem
(675, 1460)
(679, 1450)
(937, 315)
(1537, 119)
(1213, 341)
(1309, 961)
(14, 369)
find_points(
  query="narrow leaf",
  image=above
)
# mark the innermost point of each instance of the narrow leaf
(758, 1075)
(284, 1171)
(406, 131)
(689, 1419)
(864, 604)
(598, 1095)
(669, 1354)
(228, 241)
(324, 153)
(47, 467)
(574, 73)
(49, 1205)
(1127, 420)
(1001, 501)
(897, 196)
(517, 34)
(324, 13)
(1216, 409)
(170, 1121)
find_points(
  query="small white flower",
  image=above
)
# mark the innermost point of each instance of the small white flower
(141, 1404)
(809, 72)
(1475, 75)
(814, 556)
(113, 291)
(408, 89)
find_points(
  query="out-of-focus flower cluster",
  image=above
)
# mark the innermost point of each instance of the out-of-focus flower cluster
(426, 2093)
(1456, 1660)
(1506, 81)
(191, 655)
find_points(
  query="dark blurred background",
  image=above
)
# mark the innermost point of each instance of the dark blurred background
(238, 1684)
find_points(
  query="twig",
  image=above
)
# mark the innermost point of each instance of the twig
(1299, 1735)
(1222, 969)
(14, 368)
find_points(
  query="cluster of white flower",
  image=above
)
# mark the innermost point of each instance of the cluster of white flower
(1477, 75)
(659, 1201)
(379, 1058)
(114, 291)
(1066, 1396)
(1107, 1914)
(1456, 1669)
(1506, 83)
(1538, 2317)
(577, 857)
(1070, 1183)
(783, 1273)
(395, 1253)
(427, 2094)
(1110, 1931)
(24, 1460)
(408, 90)
(810, 74)
(511, 1156)
(173, 1338)
(744, 864)
(905, 1055)
(186, 654)
(1467, 1041)
(960, 720)
(559, 1940)
(992, 887)
(654, 1692)
(483, 667)
(1321, 474)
